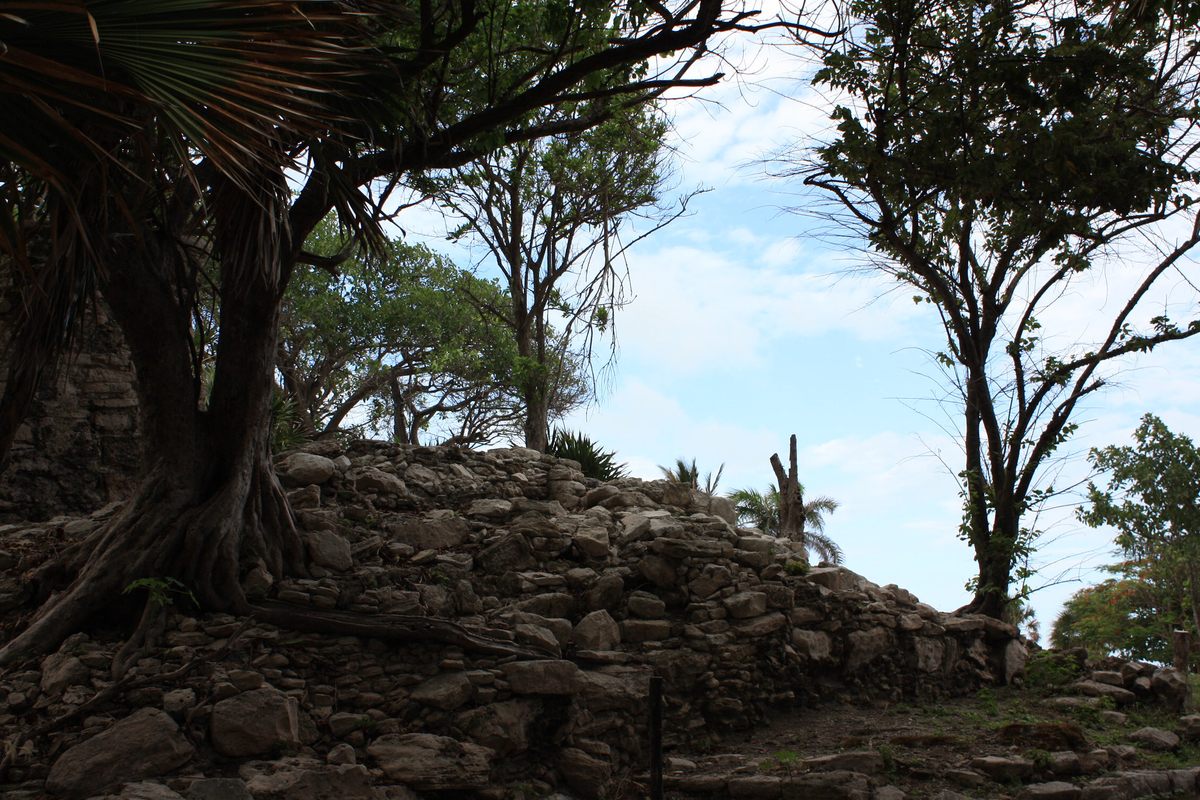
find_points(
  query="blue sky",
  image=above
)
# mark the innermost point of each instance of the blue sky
(746, 326)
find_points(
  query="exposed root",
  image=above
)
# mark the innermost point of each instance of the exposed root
(150, 627)
(124, 684)
(390, 627)
(167, 532)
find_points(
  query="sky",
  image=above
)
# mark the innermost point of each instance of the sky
(749, 322)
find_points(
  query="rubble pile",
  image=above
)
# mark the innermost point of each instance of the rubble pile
(570, 594)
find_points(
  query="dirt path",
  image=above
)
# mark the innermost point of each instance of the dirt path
(991, 745)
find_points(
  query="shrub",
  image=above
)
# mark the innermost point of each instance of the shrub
(1048, 669)
(596, 463)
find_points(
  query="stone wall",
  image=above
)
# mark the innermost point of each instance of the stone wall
(78, 449)
(600, 585)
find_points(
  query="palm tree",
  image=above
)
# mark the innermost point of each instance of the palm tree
(758, 510)
(683, 472)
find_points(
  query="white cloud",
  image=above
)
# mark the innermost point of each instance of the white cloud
(695, 307)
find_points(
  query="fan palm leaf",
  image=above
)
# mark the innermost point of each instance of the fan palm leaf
(761, 510)
(114, 109)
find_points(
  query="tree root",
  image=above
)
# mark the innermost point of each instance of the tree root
(389, 627)
(149, 628)
(125, 683)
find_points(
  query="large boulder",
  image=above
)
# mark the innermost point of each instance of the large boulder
(145, 744)
(434, 532)
(62, 670)
(504, 727)
(299, 778)
(435, 763)
(596, 631)
(447, 691)
(303, 469)
(255, 723)
(547, 676)
(329, 549)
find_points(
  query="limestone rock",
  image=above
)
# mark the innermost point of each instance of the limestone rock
(646, 605)
(644, 630)
(145, 790)
(255, 723)
(1054, 790)
(303, 469)
(430, 532)
(721, 507)
(329, 549)
(1171, 686)
(422, 477)
(659, 571)
(145, 744)
(597, 631)
(746, 604)
(931, 653)
(814, 645)
(496, 508)
(587, 776)
(839, 579)
(447, 691)
(835, 785)
(711, 579)
(507, 554)
(428, 762)
(869, 762)
(1119, 695)
(605, 593)
(379, 482)
(503, 727)
(767, 787)
(592, 542)
(1002, 769)
(1190, 727)
(1155, 739)
(541, 677)
(218, 789)
(1013, 661)
(308, 779)
(761, 626)
(865, 646)
(62, 670)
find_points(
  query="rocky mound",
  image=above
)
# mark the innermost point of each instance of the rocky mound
(488, 625)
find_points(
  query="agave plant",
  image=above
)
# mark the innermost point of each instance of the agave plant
(761, 510)
(596, 463)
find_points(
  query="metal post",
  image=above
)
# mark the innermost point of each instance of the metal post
(656, 755)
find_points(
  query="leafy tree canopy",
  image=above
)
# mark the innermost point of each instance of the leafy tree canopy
(990, 154)
(1151, 500)
(1118, 617)
(402, 318)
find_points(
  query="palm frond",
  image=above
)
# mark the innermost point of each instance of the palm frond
(825, 548)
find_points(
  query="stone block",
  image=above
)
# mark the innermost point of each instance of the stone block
(427, 762)
(255, 723)
(145, 744)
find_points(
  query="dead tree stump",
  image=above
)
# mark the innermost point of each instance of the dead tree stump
(791, 503)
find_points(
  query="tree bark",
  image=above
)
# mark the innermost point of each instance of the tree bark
(208, 501)
(791, 504)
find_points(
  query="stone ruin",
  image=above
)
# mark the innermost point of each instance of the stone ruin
(78, 448)
(570, 595)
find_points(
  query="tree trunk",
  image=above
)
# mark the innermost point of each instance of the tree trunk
(208, 503)
(995, 576)
(537, 422)
(791, 504)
